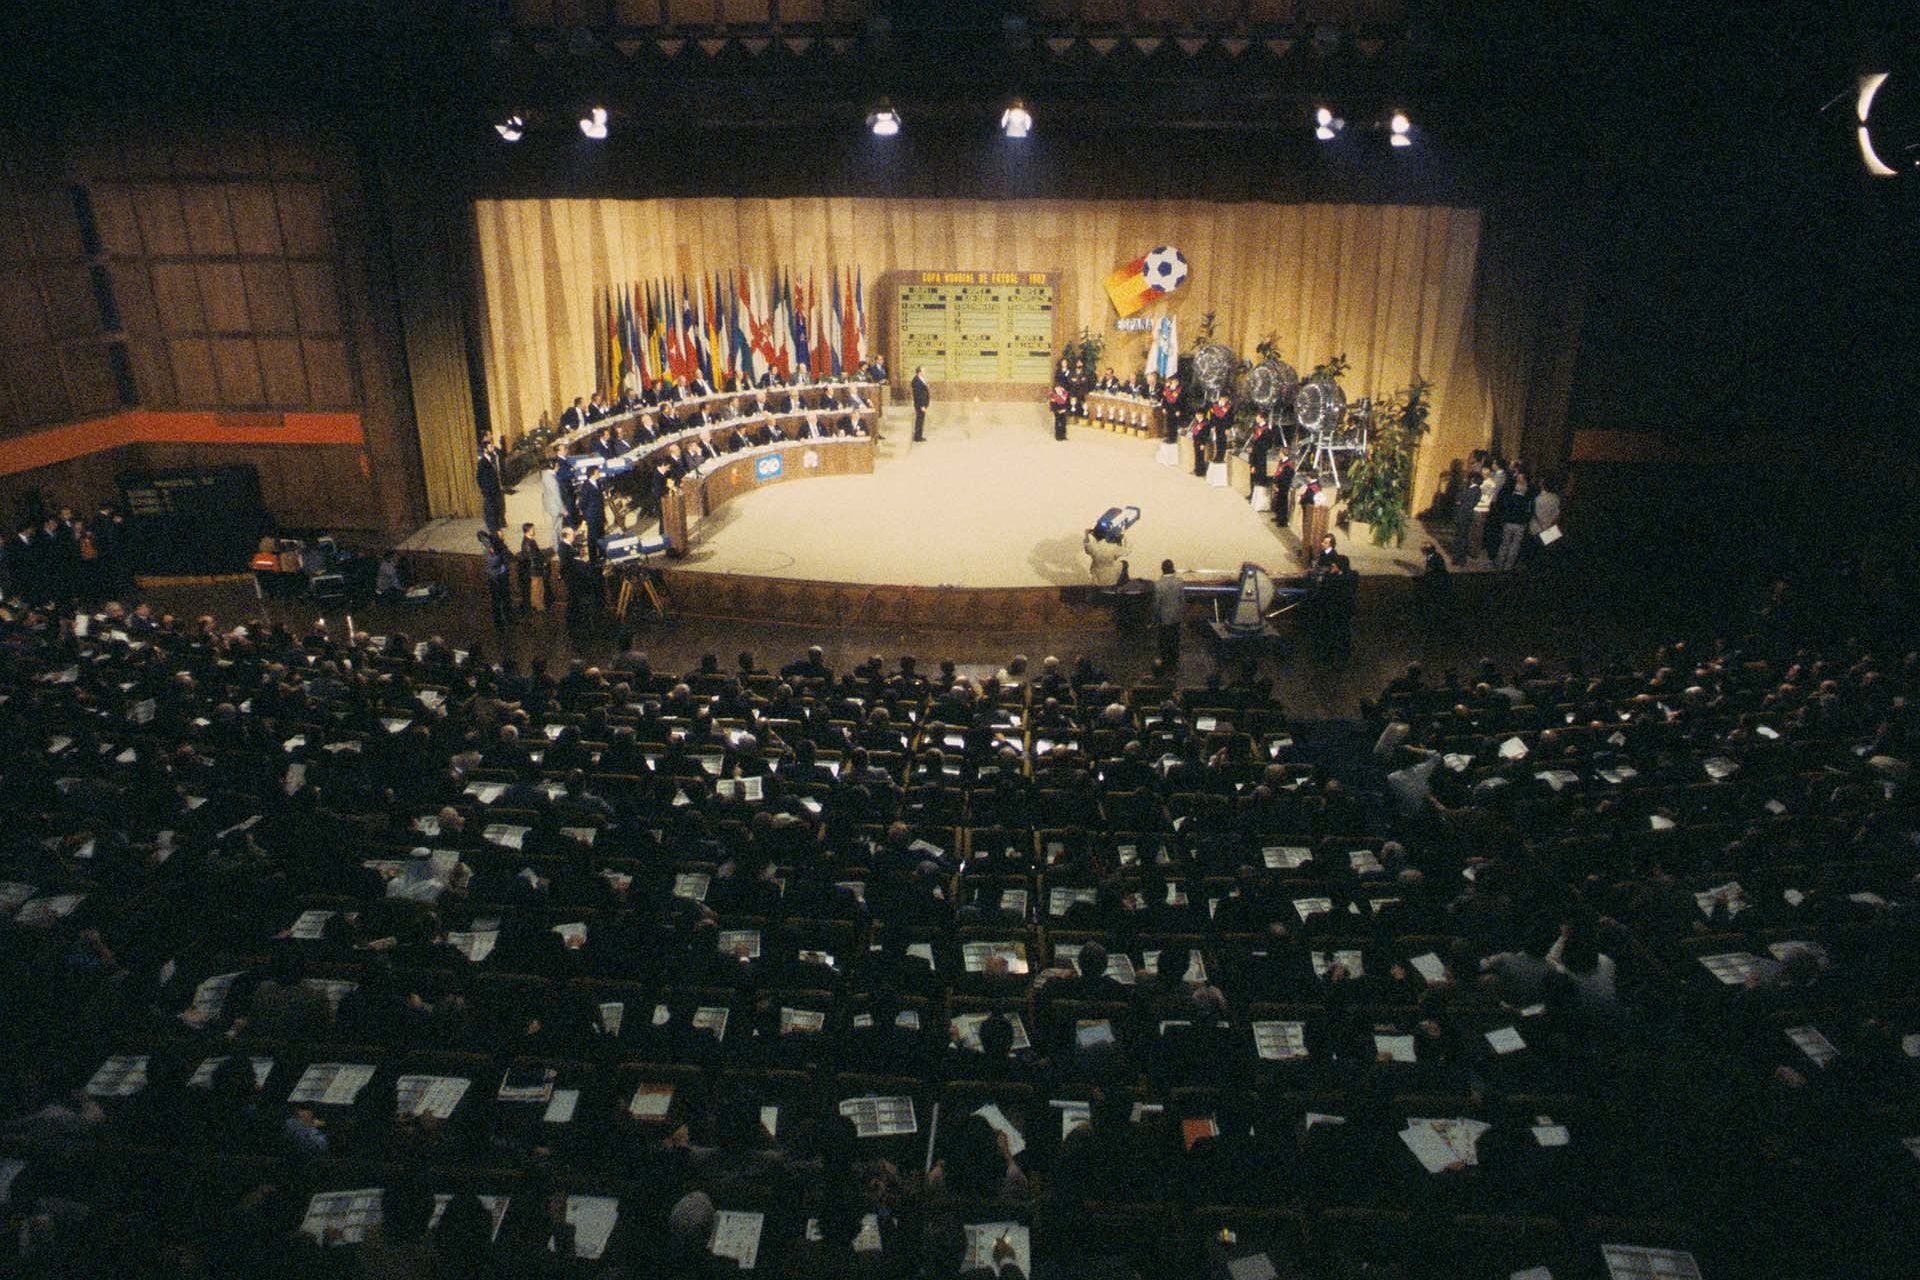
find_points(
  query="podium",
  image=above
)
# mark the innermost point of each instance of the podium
(1315, 520)
(673, 521)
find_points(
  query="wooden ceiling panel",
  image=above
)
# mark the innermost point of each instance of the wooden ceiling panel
(152, 374)
(38, 386)
(51, 222)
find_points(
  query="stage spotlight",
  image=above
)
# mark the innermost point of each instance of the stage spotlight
(1326, 125)
(1400, 130)
(1016, 121)
(594, 124)
(883, 119)
(511, 129)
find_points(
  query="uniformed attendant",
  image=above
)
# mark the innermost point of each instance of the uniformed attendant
(1257, 447)
(1170, 403)
(1059, 401)
(1198, 431)
(1219, 425)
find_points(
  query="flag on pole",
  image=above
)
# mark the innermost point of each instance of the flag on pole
(1164, 357)
(849, 335)
(864, 354)
(783, 325)
(837, 330)
(612, 339)
(742, 362)
(759, 348)
(715, 332)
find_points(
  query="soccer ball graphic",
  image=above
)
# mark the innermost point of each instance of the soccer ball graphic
(1166, 269)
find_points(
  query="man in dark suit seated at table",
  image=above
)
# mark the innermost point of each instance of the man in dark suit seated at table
(661, 391)
(574, 416)
(644, 430)
(765, 432)
(596, 409)
(813, 430)
(735, 439)
(699, 386)
(778, 399)
(853, 398)
(606, 443)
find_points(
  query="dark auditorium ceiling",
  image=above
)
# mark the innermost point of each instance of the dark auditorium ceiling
(1557, 86)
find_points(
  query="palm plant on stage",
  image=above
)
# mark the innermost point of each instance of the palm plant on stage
(1087, 349)
(1380, 484)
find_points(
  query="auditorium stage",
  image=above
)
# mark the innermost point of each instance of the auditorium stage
(986, 514)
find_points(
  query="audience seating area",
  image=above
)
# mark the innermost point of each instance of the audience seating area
(340, 956)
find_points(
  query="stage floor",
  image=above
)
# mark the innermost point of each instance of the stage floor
(989, 499)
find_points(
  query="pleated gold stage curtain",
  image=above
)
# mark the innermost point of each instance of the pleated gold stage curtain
(432, 293)
(1391, 286)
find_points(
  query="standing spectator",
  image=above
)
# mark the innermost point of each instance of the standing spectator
(1169, 612)
(1513, 511)
(556, 490)
(582, 581)
(1546, 515)
(533, 570)
(922, 397)
(493, 495)
(1465, 507)
(499, 570)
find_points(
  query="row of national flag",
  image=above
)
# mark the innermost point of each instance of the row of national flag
(729, 329)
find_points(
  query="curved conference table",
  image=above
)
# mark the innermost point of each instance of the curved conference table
(806, 449)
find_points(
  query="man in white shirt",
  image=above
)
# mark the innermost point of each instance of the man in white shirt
(1169, 613)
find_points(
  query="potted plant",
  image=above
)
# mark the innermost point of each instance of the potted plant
(1380, 484)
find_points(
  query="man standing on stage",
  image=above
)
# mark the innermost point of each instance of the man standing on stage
(1058, 401)
(922, 397)
(1169, 613)
(493, 497)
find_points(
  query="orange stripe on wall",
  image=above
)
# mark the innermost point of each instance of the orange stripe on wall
(144, 426)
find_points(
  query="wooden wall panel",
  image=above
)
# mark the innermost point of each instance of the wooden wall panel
(316, 299)
(23, 318)
(89, 379)
(1393, 287)
(224, 292)
(152, 374)
(176, 291)
(303, 218)
(70, 302)
(192, 361)
(163, 227)
(113, 215)
(14, 245)
(284, 371)
(269, 296)
(256, 222)
(238, 371)
(328, 374)
(133, 294)
(209, 229)
(50, 222)
(39, 390)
